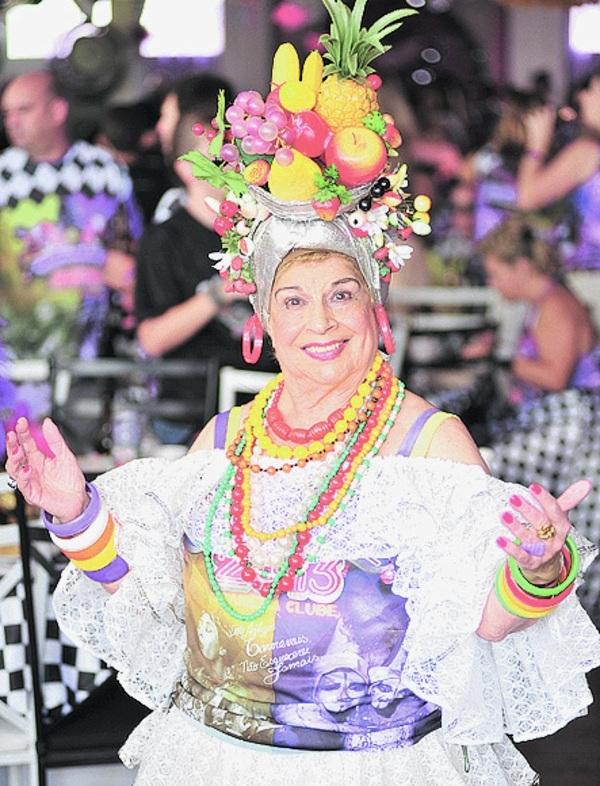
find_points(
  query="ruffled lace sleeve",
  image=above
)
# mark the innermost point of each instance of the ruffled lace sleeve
(446, 520)
(139, 630)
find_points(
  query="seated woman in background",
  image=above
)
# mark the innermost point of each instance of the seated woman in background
(552, 431)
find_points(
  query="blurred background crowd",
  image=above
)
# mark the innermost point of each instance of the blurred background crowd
(105, 235)
(112, 317)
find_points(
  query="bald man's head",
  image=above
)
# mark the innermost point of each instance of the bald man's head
(35, 117)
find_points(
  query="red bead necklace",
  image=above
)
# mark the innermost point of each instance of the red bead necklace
(300, 436)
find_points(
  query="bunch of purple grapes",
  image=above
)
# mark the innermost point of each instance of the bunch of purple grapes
(261, 126)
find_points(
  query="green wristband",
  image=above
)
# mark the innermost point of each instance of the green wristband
(547, 592)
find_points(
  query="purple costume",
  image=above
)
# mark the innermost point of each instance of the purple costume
(586, 200)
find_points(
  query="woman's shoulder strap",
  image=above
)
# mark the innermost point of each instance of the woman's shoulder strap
(226, 427)
(419, 437)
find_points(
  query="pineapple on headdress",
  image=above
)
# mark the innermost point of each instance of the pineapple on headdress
(315, 146)
(348, 93)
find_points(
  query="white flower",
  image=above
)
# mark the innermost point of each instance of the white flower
(222, 259)
(242, 228)
(262, 213)
(377, 219)
(248, 206)
(376, 235)
(398, 255)
(357, 219)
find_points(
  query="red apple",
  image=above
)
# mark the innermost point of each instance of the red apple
(312, 133)
(358, 153)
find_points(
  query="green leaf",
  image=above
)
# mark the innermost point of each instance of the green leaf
(205, 169)
(217, 142)
(393, 16)
(357, 13)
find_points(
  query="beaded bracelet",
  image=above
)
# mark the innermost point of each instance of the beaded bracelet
(531, 601)
(89, 541)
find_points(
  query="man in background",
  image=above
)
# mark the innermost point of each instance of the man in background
(182, 309)
(68, 225)
(195, 94)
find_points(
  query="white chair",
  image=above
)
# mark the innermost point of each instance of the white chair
(30, 370)
(17, 729)
(235, 380)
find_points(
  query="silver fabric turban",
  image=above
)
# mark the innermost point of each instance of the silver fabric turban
(294, 225)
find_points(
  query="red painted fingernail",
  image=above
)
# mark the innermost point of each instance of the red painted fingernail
(516, 501)
(507, 517)
(501, 542)
(535, 488)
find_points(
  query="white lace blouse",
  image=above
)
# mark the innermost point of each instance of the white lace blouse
(438, 520)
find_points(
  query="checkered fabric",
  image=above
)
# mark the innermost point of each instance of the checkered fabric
(69, 674)
(15, 676)
(58, 220)
(555, 441)
(85, 169)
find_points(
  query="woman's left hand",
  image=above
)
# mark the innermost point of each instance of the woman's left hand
(538, 556)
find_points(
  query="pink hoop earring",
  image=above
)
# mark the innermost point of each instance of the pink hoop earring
(385, 331)
(252, 340)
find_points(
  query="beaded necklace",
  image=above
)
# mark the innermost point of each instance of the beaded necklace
(382, 403)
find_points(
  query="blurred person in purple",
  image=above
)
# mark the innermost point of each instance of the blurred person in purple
(68, 223)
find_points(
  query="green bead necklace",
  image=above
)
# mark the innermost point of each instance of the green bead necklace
(225, 485)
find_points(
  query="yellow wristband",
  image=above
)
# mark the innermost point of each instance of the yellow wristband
(101, 560)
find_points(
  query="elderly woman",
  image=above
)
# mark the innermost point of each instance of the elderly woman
(283, 547)
(332, 530)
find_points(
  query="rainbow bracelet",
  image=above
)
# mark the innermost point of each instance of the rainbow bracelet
(88, 541)
(522, 599)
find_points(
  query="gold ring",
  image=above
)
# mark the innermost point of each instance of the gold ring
(546, 532)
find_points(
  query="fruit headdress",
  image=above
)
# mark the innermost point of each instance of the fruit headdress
(313, 164)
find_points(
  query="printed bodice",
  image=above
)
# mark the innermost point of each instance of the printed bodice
(322, 668)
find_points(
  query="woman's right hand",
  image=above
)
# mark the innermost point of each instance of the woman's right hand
(56, 484)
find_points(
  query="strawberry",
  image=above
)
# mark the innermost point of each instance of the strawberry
(327, 208)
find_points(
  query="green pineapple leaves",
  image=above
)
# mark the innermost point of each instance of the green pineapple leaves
(349, 47)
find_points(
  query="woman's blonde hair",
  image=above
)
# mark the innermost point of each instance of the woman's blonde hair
(307, 255)
(517, 238)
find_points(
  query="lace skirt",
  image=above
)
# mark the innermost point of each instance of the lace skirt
(170, 748)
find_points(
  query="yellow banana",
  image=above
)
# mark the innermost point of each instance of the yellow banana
(312, 71)
(286, 65)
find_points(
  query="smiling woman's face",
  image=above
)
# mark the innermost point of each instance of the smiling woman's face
(321, 320)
